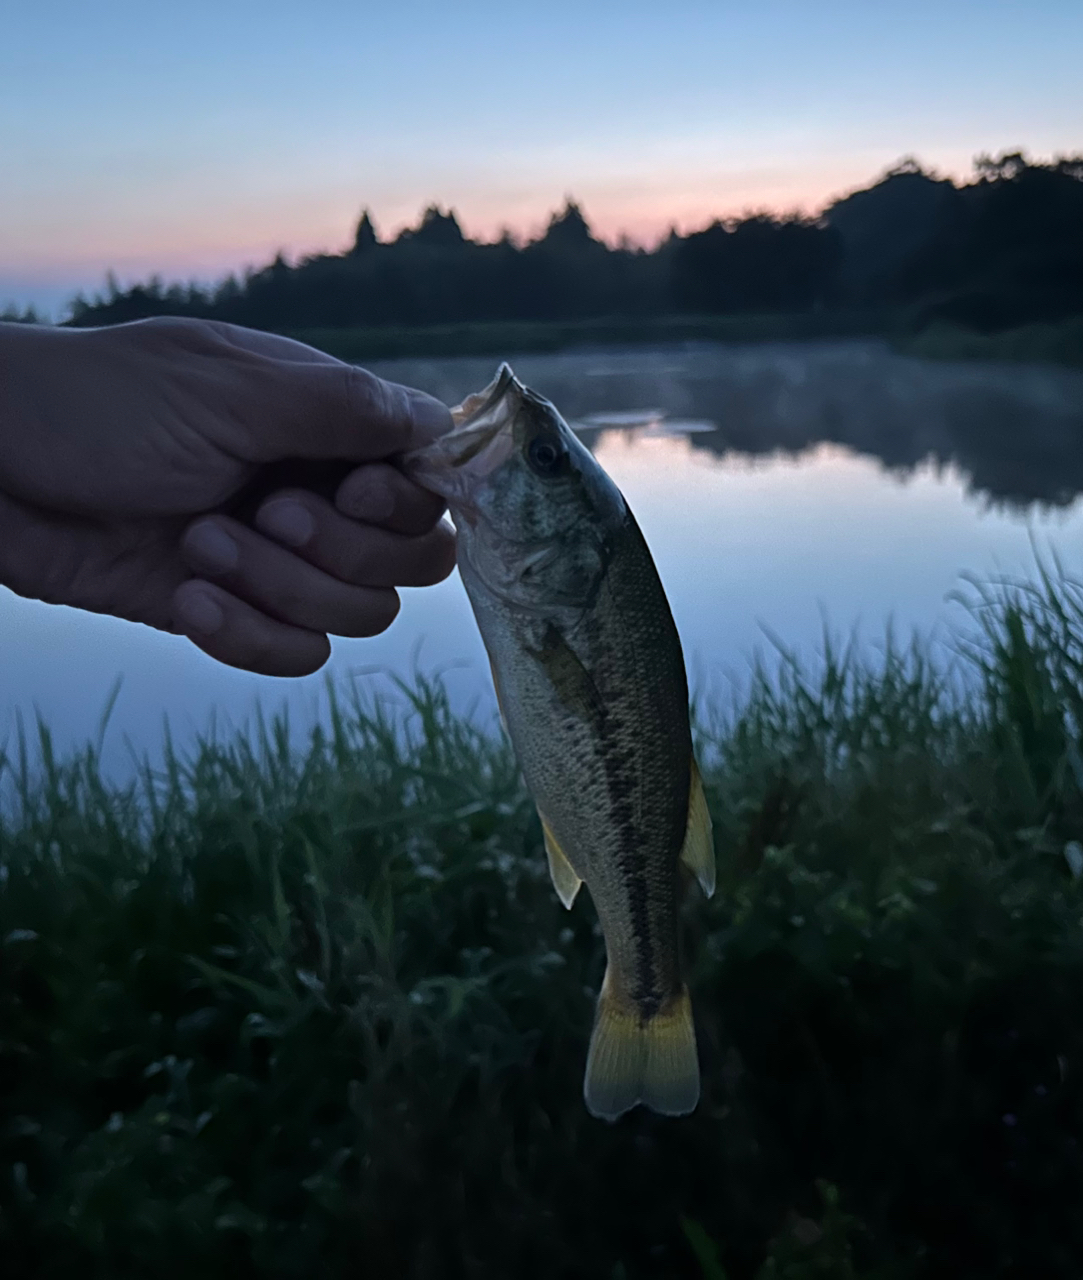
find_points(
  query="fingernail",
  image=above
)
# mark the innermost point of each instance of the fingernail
(211, 547)
(198, 612)
(431, 417)
(286, 520)
(366, 497)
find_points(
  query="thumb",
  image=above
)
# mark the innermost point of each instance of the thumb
(336, 410)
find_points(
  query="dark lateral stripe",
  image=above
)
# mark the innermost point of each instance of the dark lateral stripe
(631, 863)
(616, 748)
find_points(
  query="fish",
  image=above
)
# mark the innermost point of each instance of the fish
(590, 681)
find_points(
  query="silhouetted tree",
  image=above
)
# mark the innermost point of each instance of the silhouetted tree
(21, 315)
(568, 229)
(1011, 251)
(757, 264)
(438, 229)
(364, 237)
(883, 226)
(1001, 250)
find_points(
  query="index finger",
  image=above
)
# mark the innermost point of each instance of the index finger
(284, 399)
(337, 410)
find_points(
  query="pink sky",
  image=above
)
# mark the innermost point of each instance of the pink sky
(176, 242)
(191, 140)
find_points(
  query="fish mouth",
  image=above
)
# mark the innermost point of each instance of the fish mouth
(479, 441)
(482, 402)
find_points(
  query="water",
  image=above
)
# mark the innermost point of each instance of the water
(777, 485)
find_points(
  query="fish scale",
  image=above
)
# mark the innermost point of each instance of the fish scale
(652, 741)
(591, 684)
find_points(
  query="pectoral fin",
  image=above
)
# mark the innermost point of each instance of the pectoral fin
(697, 853)
(565, 880)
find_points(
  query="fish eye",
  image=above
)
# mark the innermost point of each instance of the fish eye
(546, 455)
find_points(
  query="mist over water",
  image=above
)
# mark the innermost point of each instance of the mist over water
(776, 485)
(1014, 432)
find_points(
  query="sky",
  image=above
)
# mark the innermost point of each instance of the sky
(194, 139)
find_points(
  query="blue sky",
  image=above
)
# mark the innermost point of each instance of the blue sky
(195, 138)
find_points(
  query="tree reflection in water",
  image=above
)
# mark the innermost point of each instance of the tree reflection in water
(1015, 432)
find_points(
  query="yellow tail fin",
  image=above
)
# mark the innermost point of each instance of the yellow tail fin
(631, 1060)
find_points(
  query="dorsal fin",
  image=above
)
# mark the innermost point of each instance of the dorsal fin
(697, 853)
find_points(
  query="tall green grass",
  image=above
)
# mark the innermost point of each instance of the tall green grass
(277, 1013)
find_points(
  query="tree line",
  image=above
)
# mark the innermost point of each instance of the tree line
(1003, 249)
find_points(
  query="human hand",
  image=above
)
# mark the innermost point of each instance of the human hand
(127, 455)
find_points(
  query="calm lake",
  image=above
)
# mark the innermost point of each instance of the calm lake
(778, 486)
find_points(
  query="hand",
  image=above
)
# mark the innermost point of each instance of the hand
(131, 456)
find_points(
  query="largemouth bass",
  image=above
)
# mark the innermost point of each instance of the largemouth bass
(591, 685)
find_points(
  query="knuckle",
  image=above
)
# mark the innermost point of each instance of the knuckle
(188, 332)
(256, 649)
(354, 555)
(435, 556)
(421, 513)
(358, 565)
(270, 651)
(445, 561)
(379, 611)
(371, 399)
(309, 656)
(290, 604)
(361, 391)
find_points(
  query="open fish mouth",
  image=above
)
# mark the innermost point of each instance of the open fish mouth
(480, 441)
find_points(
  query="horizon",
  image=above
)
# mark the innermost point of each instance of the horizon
(56, 309)
(198, 143)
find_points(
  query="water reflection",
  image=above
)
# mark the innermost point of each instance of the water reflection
(758, 477)
(1014, 432)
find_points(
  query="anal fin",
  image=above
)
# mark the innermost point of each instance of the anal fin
(697, 852)
(565, 880)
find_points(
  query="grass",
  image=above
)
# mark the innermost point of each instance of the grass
(482, 339)
(277, 1013)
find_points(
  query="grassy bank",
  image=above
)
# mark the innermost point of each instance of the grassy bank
(279, 1014)
(1037, 343)
(1032, 344)
(546, 336)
